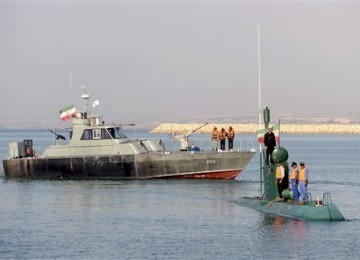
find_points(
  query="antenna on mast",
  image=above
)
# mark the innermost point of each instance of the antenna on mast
(71, 86)
(85, 97)
(259, 78)
(259, 86)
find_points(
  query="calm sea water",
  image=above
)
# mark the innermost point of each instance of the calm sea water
(180, 219)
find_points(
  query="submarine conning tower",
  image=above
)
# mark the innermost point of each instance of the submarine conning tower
(280, 154)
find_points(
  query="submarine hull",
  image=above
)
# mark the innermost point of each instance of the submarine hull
(309, 211)
(201, 165)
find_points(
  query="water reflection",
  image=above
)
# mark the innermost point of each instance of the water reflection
(279, 226)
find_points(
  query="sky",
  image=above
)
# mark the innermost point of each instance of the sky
(178, 61)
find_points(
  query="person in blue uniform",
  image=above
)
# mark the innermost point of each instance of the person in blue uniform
(303, 182)
(294, 180)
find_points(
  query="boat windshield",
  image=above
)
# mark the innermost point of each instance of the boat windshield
(112, 133)
(103, 133)
(117, 133)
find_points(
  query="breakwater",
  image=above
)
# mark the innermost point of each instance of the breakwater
(253, 128)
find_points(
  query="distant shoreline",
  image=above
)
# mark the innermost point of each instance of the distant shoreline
(247, 128)
(253, 128)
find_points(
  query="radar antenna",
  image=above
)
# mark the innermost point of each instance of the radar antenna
(95, 104)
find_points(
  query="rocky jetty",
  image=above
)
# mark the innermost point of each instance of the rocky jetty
(252, 128)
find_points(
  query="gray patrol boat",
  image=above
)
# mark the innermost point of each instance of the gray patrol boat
(102, 151)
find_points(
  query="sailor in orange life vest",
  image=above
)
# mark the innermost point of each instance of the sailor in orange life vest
(270, 143)
(222, 137)
(214, 139)
(294, 180)
(280, 174)
(303, 181)
(230, 136)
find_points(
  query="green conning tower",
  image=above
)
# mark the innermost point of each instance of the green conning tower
(267, 172)
(281, 155)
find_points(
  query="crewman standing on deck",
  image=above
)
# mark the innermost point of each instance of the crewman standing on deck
(294, 180)
(230, 134)
(279, 174)
(222, 137)
(214, 139)
(303, 182)
(270, 144)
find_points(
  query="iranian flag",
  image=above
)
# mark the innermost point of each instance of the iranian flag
(67, 112)
(276, 130)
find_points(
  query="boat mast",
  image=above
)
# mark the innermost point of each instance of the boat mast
(85, 97)
(260, 112)
(71, 88)
(259, 78)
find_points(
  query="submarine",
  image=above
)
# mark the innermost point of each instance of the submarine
(320, 209)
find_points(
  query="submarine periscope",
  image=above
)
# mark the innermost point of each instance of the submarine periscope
(269, 202)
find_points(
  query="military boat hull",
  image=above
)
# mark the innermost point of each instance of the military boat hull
(199, 165)
(309, 211)
(96, 150)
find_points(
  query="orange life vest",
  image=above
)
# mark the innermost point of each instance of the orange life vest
(214, 134)
(293, 174)
(231, 134)
(222, 135)
(302, 176)
(279, 173)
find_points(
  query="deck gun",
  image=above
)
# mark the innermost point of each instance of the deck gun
(184, 139)
(57, 136)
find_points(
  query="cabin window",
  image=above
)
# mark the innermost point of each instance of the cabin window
(97, 133)
(87, 134)
(111, 132)
(108, 133)
(105, 134)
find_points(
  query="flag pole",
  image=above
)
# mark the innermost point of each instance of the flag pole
(279, 134)
(71, 87)
(259, 90)
(259, 78)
